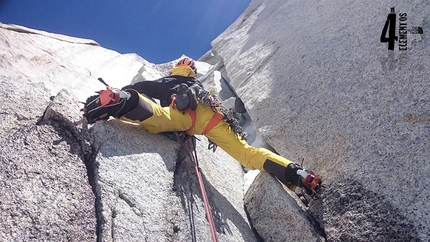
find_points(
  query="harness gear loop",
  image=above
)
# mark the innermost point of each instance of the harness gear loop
(193, 154)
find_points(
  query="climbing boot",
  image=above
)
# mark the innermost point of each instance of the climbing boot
(309, 182)
(107, 103)
(294, 176)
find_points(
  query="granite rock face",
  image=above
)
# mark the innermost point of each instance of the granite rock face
(274, 214)
(65, 180)
(45, 191)
(321, 87)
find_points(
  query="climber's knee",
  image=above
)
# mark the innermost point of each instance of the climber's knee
(141, 110)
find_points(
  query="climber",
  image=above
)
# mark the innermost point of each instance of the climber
(181, 111)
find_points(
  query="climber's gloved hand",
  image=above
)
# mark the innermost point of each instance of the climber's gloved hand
(107, 103)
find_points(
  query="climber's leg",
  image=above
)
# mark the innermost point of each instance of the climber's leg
(155, 118)
(251, 157)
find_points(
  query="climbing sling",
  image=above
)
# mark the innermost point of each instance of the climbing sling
(216, 118)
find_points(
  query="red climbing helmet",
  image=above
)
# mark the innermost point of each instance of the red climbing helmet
(187, 62)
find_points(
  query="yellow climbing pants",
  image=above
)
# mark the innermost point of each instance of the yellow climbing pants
(169, 119)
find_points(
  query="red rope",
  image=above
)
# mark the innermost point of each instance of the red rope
(203, 191)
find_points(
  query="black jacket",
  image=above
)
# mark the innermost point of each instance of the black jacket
(163, 88)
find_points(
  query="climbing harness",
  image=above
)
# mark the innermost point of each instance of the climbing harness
(220, 112)
(193, 154)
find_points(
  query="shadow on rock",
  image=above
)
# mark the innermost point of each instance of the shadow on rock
(350, 212)
(121, 139)
(186, 186)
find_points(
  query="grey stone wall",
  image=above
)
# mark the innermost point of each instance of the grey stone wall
(321, 87)
(64, 180)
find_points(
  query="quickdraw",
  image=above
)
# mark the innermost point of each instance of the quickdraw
(230, 116)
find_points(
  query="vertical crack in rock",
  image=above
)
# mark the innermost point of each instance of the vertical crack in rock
(92, 173)
(88, 153)
(186, 187)
(314, 221)
(183, 188)
(257, 235)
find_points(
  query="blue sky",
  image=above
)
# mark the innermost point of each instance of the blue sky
(157, 30)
